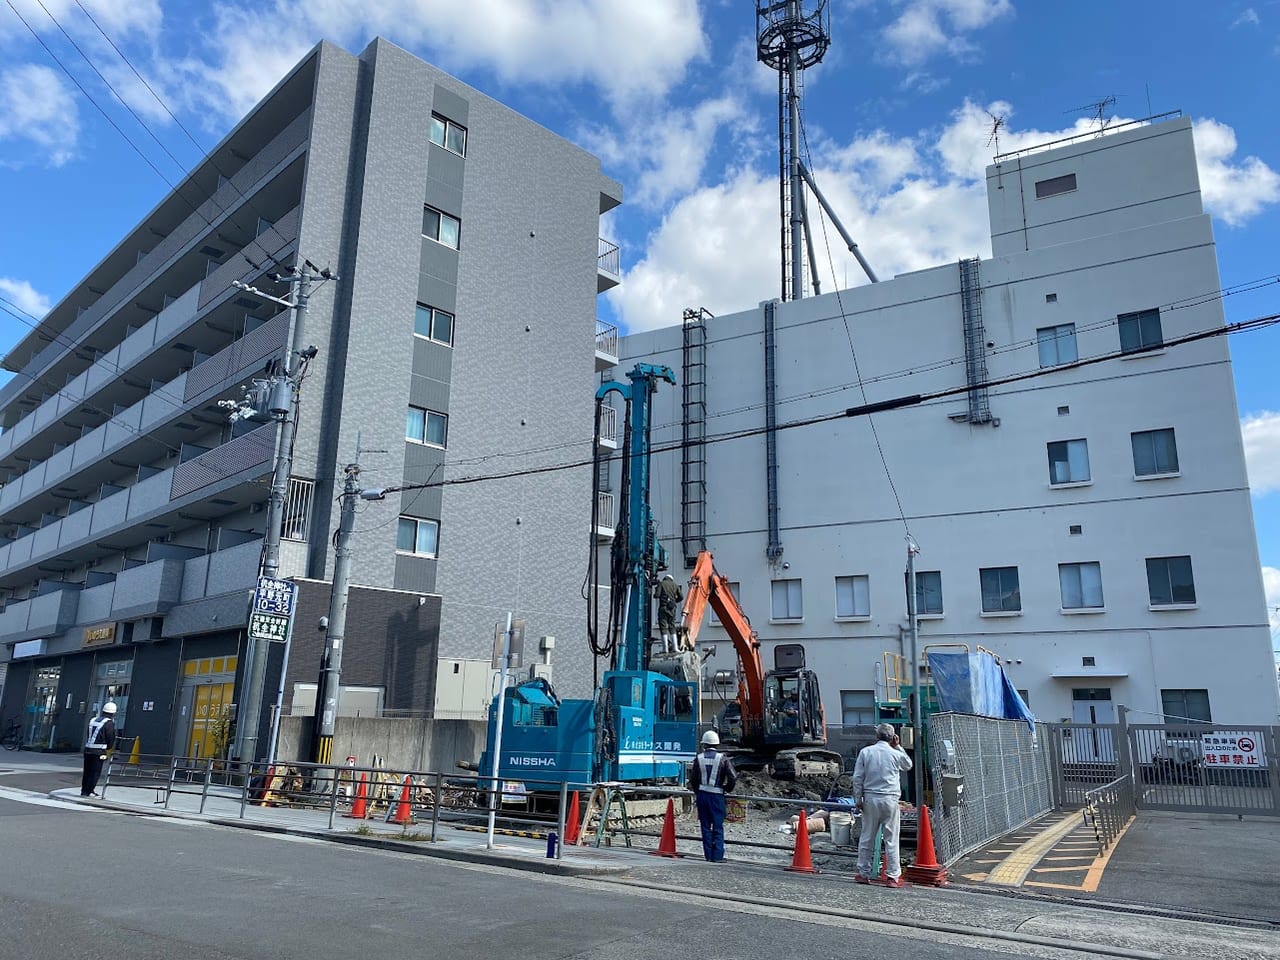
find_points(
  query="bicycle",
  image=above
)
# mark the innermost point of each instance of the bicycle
(12, 738)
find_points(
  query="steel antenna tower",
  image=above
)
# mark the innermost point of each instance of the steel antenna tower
(790, 40)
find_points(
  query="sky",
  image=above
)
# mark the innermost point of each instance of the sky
(105, 104)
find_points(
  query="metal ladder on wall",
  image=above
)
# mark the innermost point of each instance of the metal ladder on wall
(693, 463)
(975, 342)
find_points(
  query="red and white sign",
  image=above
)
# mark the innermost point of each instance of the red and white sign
(1233, 750)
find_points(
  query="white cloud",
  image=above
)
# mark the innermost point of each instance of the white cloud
(1232, 192)
(1261, 432)
(25, 297)
(1248, 17)
(1271, 584)
(925, 28)
(36, 105)
(119, 19)
(628, 51)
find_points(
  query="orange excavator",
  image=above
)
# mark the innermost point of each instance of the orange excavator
(783, 724)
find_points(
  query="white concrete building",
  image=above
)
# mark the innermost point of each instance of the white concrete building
(1091, 524)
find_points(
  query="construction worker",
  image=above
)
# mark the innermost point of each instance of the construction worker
(877, 787)
(669, 594)
(713, 776)
(101, 739)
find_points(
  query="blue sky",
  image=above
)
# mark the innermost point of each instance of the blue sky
(668, 94)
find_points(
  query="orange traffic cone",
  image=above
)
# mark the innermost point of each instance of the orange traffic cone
(667, 845)
(403, 813)
(926, 870)
(801, 862)
(360, 807)
(571, 825)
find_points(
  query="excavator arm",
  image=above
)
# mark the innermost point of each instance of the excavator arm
(707, 586)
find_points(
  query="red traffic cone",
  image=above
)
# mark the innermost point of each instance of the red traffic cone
(571, 826)
(360, 806)
(404, 814)
(667, 845)
(926, 870)
(801, 862)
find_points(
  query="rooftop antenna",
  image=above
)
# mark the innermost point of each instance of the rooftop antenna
(996, 123)
(1099, 110)
(791, 36)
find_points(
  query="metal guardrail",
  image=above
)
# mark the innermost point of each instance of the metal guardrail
(607, 258)
(606, 337)
(1108, 809)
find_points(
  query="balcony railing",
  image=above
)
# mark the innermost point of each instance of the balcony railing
(607, 339)
(608, 426)
(297, 509)
(608, 258)
(604, 516)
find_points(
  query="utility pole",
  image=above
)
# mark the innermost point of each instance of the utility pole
(914, 676)
(281, 403)
(327, 689)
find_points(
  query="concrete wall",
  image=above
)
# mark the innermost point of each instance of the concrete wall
(427, 745)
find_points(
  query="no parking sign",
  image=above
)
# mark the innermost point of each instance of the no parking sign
(1233, 749)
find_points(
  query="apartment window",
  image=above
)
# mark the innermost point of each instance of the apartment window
(787, 600)
(735, 588)
(440, 227)
(1069, 461)
(1169, 581)
(445, 133)
(1081, 585)
(418, 537)
(1057, 345)
(853, 597)
(1140, 331)
(426, 426)
(1154, 453)
(1185, 705)
(1000, 592)
(1055, 185)
(857, 708)
(929, 593)
(434, 324)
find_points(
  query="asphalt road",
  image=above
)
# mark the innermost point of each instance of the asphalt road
(78, 883)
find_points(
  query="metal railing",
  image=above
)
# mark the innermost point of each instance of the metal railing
(608, 258)
(297, 509)
(1108, 809)
(1087, 135)
(606, 336)
(608, 423)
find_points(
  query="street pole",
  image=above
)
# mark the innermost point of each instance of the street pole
(495, 785)
(328, 689)
(914, 676)
(282, 406)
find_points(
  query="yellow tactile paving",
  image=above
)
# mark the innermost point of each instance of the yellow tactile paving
(1018, 865)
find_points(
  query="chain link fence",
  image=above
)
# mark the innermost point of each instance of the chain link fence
(989, 776)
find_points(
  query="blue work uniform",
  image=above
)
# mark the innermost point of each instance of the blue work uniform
(713, 776)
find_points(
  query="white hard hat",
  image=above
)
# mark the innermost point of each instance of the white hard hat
(711, 739)
(667, 576)
(108, 707)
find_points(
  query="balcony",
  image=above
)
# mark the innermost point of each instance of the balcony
(605, 517)
(606, 346)
(608, 266)
(43, 616)
(608, 438)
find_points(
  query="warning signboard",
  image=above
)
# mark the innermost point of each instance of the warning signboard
(1238, 749)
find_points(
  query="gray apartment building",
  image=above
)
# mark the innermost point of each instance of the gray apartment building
(458, 348)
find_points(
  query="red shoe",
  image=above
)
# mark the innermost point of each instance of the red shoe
(859, 878)
(894, 882)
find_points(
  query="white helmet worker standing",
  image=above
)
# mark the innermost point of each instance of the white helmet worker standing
(99, 741)
(668, 594)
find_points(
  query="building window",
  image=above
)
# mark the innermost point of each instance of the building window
(445, 133)
(787, 601)
(1000, 592)
(1185, 705)
(857, 708)
(1169, 581)
(735, 588)
(418, 537)
(1069, 461)
(1057, 345)
(426, 426)
(1154, 453)
(434, 325)
(853, 597)
(928, 593)
(1055, 185)
(440, 227)
(1081, 585)
(1140, 331)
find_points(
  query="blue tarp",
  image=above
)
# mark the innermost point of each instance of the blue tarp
(976, 683)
